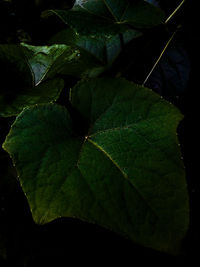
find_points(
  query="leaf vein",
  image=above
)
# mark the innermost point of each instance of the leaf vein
(125, 176)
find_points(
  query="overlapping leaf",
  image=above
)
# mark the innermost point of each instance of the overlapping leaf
(47, 61)
(109, 16)
(12, 103)
(27, 73)
(125, 173)
(103, 49)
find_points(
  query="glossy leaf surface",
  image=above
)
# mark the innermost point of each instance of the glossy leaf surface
(32, 71)
(47, 61)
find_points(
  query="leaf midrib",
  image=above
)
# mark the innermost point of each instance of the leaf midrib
(50, 66)
(47, 69)
(124, 175)
(110, 10)
(102, 61)
(124, 12)
(133, 126)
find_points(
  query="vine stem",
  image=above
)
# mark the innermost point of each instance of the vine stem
(174, 12)
(161, 54)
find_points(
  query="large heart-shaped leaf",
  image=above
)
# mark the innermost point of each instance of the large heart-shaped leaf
(109, 16)
(27, 75)
(124, 173)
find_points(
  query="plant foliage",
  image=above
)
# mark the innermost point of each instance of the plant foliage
(110, 155)
(125, 174)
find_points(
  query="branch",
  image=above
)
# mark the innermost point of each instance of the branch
(174, 12)
(163, 51)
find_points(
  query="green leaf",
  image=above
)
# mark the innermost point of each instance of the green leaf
(13, 102)
(47, 61)
(86, 22)
(86, 66)
(109, 16)
(25, 68)
(87, 63)
(66, 36)
(139, 14)
(125, 173)
(103, 49)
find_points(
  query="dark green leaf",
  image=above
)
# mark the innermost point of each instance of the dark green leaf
(86, 66)
(47, 61)
(25, 68)
(106, 48)
(142, 15)
(66, 36)
(102, 48)
(86, 23)
(109, 16)
(12, 103)
(125, 173)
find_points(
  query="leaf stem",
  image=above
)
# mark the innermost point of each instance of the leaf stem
(161, 54)
(174, 12)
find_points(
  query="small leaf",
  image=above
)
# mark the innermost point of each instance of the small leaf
(25, 68)
(47, 61)
(109, 16)
(125, 173)
(12, 103)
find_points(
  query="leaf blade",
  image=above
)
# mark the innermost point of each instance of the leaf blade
(139, 190)
(24, 82)
(109, 17)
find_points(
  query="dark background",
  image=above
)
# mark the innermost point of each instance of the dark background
(69, 241)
